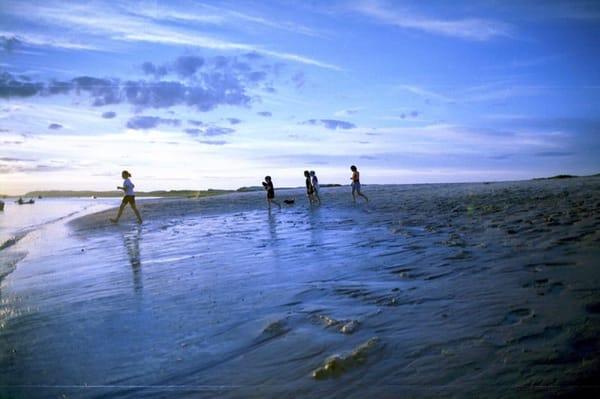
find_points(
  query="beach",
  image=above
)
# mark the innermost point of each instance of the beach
(433, 290)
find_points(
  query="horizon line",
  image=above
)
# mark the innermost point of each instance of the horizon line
(325, 185)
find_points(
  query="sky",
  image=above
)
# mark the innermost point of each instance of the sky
(202, 94)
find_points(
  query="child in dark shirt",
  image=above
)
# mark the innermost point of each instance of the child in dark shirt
(310, 191)
(268, 186)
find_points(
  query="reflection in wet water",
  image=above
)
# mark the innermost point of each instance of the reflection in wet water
(272, 227)
(131, 239)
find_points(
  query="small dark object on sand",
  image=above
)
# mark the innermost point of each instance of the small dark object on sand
(289, 201)
(20, 201)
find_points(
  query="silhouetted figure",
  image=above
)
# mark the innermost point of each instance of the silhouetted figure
(309, 188)
(129, 197)
(356, 184)
(315, 185)
(268, 185)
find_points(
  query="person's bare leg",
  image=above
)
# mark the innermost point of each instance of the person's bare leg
(353, 196)
(120, 213)
(137, 213)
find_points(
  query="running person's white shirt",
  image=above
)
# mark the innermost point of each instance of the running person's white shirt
(128, 186)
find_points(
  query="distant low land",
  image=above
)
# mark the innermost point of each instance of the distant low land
(561, 177)
(107, 194)
(158, 193)
(197, 193)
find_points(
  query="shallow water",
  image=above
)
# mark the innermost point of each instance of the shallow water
(18, 218)
(17, 221)
(429, 290)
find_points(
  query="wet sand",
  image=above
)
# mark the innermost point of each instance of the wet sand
(428, 291)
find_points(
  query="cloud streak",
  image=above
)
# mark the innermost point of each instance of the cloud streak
(475, 29)
(209, 131)
(493, 91)
(121, 26)
(16, 39)
(150, 122)
(332, 124)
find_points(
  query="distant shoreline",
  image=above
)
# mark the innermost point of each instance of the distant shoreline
(211, 192)
(117, 194)
(157, 193)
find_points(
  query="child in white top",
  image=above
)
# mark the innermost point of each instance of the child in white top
(129, 197)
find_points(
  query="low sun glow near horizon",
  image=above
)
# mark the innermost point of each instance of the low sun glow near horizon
(218, 94)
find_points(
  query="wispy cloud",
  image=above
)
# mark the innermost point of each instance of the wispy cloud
(554, 154)
(149, 122)
(102, 21)
(212, 142)
(209, 131)
(212, 15)
(332, 124)
(476, 29)
(458, 139)
(419, 91)
(493, 91)
(18, 39)
(347, 112)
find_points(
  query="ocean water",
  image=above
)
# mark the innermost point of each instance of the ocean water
(428, 290)
(17, 221)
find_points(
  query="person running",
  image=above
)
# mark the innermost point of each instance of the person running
(268, 185)
(315, 185)
(356, 184)
(310, 191)
(129, 197)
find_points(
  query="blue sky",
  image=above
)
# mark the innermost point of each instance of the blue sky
(200, 94)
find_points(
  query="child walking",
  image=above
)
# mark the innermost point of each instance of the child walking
(129, 197)
(315, 185)
(356, 184)
(268, 185)
(309, 188)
